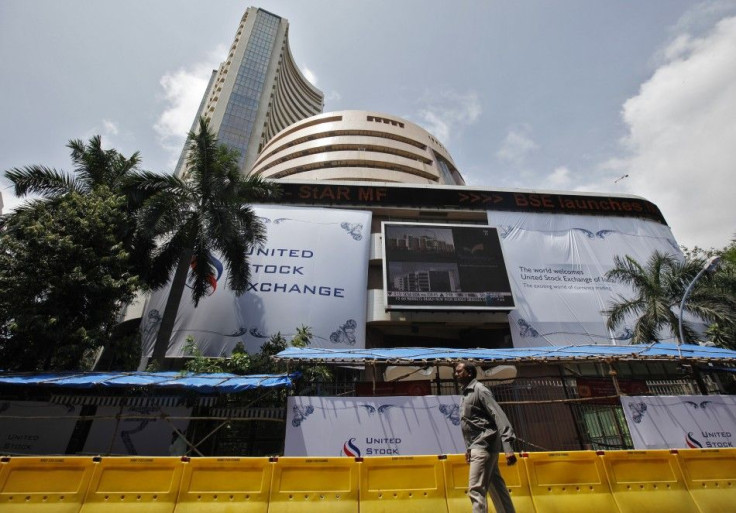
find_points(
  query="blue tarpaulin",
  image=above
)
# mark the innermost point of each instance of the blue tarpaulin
(206, 383)
(414, 355)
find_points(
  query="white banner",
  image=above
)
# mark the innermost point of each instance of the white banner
(38, 427)
(680, 422)
(373, 426)
(150, 436)
(312, 271)
(556, 264)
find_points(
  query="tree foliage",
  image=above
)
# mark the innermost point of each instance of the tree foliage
(723, 331)
(658, 288)
(64, 274)
(240, 362)
(205, 211)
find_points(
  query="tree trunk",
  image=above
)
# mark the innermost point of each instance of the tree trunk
(178, 284)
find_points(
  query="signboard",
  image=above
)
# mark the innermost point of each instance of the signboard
(466, 198)
(681, 422)
(444, 267)
(140, 430)
(373, 426)
(312, 271)
(557, 266)
(36, 427)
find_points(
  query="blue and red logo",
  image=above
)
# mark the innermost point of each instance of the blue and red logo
(692, 442)
(350, 449)
(214, 276)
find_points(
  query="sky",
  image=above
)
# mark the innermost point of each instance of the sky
(615, 96)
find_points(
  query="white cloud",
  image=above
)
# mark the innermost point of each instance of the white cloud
(682, 137)
(309, 75)
(517, 145)
(446, 113)
(182, 92)
(560, 178)
(110, 127)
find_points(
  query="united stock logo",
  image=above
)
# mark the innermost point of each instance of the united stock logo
(710, 440)
(350, 449)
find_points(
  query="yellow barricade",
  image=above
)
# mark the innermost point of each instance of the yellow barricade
(710, 476)
(647, 481)
(304, 485)
(402, 484)
(57, 485)
(456, 484)
(121, 484)
(224, 485)
(568, 482)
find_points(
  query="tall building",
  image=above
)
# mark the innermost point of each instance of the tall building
(258, 90)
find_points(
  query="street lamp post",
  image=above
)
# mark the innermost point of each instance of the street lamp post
(710, 265)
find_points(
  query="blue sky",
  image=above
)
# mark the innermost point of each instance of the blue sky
(598, 96)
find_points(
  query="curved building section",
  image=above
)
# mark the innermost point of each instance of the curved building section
(258, 90)
(357, 145)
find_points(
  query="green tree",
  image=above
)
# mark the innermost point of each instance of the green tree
(723, 331)
(658, 288)
(64, 275)
(207, 210)
(93, 167)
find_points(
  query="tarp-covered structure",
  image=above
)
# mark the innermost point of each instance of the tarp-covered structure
(557, 354)
(223, 383)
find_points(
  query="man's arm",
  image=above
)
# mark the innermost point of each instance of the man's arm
(505, 431)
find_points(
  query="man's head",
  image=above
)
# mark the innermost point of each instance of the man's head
(465, 372)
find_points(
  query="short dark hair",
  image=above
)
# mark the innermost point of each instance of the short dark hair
(471, 369)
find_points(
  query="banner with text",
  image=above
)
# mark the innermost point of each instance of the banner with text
(557, 266)
(681, 422)
(312, 271)
(36, 427)
(373, 426)
(137, 430)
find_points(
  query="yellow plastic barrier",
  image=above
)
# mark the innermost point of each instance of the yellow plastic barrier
(647, 481)
(134, 484)
(710, 476)
(57, 485)
(210, 485)
(402, 484)
(568, 482)
(304, 485)
(456, 484)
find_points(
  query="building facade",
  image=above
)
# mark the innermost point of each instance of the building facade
(258, 89)
(357, 145)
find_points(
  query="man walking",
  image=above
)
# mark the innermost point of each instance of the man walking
(487, 432)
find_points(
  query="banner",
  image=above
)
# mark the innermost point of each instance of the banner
(373, 426)
(150, 436)
(39, 427)
(681, 422)
(557, 266)
(312, 271)
(444, 267)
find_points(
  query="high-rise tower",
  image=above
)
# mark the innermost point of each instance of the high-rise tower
(258, 90)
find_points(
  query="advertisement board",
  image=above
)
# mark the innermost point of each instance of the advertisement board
(36, 427)
(444, 267)
(312, 271)
(373, 426)
(557, 265)
(681, 422)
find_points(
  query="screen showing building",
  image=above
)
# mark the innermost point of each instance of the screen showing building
(433, 266)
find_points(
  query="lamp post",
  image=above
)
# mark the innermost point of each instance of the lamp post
(710, 265)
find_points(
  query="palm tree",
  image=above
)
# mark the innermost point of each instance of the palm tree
(658, 288)
(205, 211)
(93, 167)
